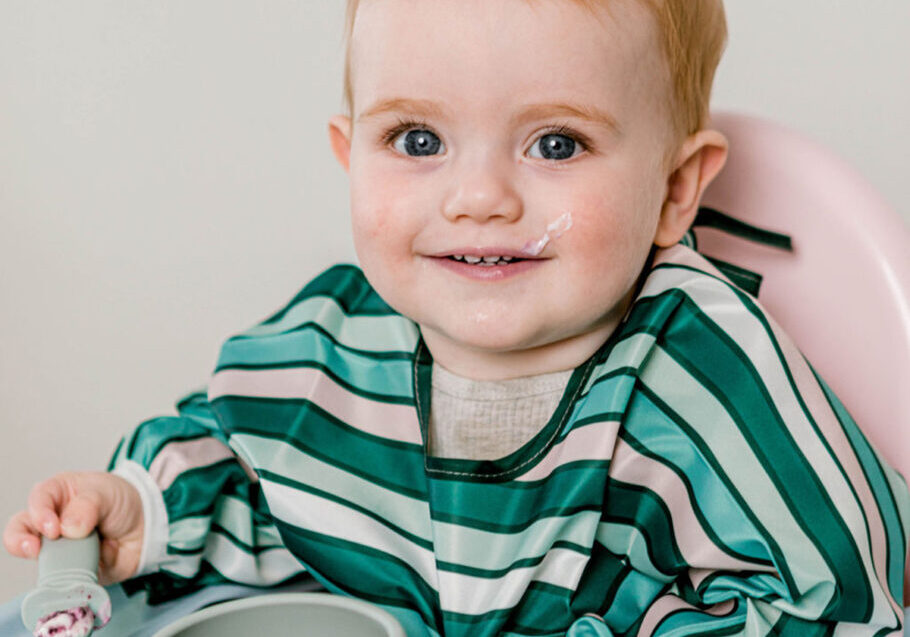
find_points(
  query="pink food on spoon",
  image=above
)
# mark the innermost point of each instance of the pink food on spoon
(67, 580)
(75, 622)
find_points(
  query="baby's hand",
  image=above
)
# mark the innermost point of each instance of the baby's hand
(71, 505)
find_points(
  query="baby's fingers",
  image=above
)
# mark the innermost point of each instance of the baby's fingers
(20, 537)
(80, 515)
(44, 502)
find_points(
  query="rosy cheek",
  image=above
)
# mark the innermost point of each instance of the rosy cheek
(368, 215)
(593, 223)
(377, 223)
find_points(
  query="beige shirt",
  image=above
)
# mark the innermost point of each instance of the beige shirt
(487, 420)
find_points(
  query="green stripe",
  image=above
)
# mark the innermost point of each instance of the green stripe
(295, 347)
(232, 514)
(486, 552)
(288, 465)
(711, 357)
(195, 406)
(749, 281)
(249, 525)
(195, 491)
(195, 421)
(410, 620)
(543, 609)
(634, 595)
(661, 434)
(472, 571)
(705, 504)
(234, 550)
(380, 578)
(188, 534)
(790, 626)
(237, 543)
(699, 279)
(422, 542)
(151, 436)
(513, 506)
(613, 386)
(757, 586)
(368, 381)
(343, 336)
(490, 553)
(752, 543)
(593, 418)
(882, 489)
(694, 622)
(165, 586)
(638, 506)
(628, 538)
(649, 315)
(557, 511)
(599, 582)
(116, 458)
(347, 284)
(854, 438)
(391, 332)
(386, 375)
(392, 464)
(679, 383)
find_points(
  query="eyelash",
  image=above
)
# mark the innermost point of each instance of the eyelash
(558, 129)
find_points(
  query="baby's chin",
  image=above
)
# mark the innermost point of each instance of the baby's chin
(498, 337)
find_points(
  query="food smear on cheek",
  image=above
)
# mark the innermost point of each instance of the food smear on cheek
(75, 622)
(554, 231)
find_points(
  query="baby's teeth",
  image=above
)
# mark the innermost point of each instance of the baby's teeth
(488, 261)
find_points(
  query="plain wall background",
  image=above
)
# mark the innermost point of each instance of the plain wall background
(166, 180)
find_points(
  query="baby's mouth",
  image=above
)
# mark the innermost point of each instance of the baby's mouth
(491, 261)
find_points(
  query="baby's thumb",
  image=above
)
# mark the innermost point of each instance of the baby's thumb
(80, 515)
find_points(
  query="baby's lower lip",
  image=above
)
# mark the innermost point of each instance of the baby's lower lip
(488, 272)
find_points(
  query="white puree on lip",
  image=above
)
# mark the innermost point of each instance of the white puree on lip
(75, 622)
(558, 227)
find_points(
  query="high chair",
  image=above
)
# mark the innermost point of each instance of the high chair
(843, 292)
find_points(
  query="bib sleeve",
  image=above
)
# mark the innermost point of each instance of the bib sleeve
(205, 518)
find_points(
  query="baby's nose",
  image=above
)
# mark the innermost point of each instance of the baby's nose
(482, 193)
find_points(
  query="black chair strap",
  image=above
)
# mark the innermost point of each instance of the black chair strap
(743, 278)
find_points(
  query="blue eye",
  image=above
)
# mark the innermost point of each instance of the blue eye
(556, 146)
(414, 142)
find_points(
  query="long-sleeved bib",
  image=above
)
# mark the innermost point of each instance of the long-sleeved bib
(696, 477)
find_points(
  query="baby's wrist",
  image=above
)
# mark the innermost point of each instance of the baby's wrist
(154, 515)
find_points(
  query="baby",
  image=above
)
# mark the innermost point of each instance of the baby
(530, 410)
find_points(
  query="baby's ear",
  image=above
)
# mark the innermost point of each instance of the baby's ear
(699, 160)
(340, 138)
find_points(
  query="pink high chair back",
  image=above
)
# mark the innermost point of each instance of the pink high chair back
(843, 294)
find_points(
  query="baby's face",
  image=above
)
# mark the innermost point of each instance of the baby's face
(457, 149)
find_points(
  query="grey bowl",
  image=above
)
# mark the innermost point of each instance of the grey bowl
(288, 614)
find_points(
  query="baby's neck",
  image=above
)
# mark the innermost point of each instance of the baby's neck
(481, 364)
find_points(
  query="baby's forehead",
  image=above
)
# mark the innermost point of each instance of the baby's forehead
(477, 43)
(530, 24)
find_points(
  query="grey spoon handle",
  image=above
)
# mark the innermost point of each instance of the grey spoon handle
(67, 578)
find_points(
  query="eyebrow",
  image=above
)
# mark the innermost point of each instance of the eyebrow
(529, 113)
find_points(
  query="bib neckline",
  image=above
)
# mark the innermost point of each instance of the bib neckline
(522, 459)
